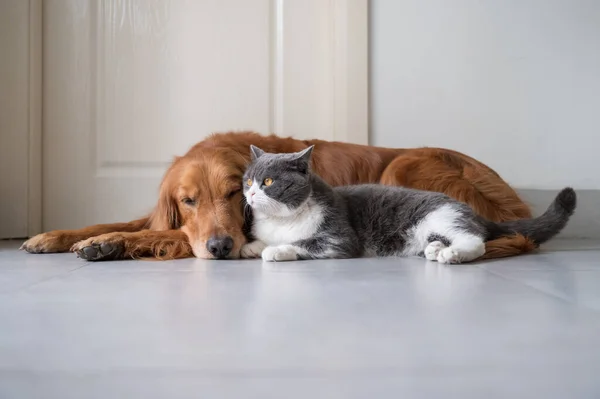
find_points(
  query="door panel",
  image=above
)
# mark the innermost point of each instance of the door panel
(129, 84)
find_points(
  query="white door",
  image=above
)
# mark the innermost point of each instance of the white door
(128, 84)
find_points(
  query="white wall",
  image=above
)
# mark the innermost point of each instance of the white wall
(514, 83)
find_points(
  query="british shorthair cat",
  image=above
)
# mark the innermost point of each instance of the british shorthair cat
(296, 215)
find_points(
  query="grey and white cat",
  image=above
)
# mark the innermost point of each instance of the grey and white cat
(296, 215)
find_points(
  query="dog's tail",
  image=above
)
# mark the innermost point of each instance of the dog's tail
(504, 247)
(524, 235)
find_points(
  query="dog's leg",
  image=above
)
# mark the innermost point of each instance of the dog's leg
(63, 240)
(165, 244)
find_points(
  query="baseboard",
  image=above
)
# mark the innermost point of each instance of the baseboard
(584, 224)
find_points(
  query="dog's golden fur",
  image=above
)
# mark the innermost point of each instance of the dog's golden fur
(200, 195)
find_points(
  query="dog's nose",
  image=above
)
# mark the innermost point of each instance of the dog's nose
(219, 247)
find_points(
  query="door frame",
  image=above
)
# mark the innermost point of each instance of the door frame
(346, 33)
(35, 173)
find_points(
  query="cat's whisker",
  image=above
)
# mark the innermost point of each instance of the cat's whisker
(247, 210)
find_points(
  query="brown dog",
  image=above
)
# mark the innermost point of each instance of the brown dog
(200, 209)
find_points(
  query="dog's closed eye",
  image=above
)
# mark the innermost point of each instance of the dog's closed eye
(234, 192)
(188, 201)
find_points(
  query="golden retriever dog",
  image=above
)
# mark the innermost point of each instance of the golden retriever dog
(200, 209)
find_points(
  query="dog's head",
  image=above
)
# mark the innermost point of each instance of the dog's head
(202, 196)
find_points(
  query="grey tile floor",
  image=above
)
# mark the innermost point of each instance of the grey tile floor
(364, 328)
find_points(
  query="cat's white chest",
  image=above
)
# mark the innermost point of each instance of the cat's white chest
(279, 231)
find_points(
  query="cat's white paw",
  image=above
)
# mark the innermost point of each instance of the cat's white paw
(449, 255)
(433, 249)
(279, 253)
(253, 249)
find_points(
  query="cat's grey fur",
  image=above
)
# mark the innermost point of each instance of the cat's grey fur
(299, 216)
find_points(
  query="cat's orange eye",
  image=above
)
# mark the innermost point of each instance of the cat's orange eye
(268, 181)
(249, 182)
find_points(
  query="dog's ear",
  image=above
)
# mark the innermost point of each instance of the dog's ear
(166, 214)
(255, 152)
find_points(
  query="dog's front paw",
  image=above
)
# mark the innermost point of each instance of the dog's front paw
(253, 249)
(279, 253)
(47, 243)
(110, 246)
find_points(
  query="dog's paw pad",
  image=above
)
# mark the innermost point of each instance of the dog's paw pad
(103, 251)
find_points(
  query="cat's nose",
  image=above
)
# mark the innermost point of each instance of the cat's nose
(219, 247)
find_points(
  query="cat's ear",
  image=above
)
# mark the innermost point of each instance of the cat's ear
(255, 152)
(303, 159)
(305, 154)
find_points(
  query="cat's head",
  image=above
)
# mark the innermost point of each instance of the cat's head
(277, 184)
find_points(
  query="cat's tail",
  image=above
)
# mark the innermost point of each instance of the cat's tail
(540, 229)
